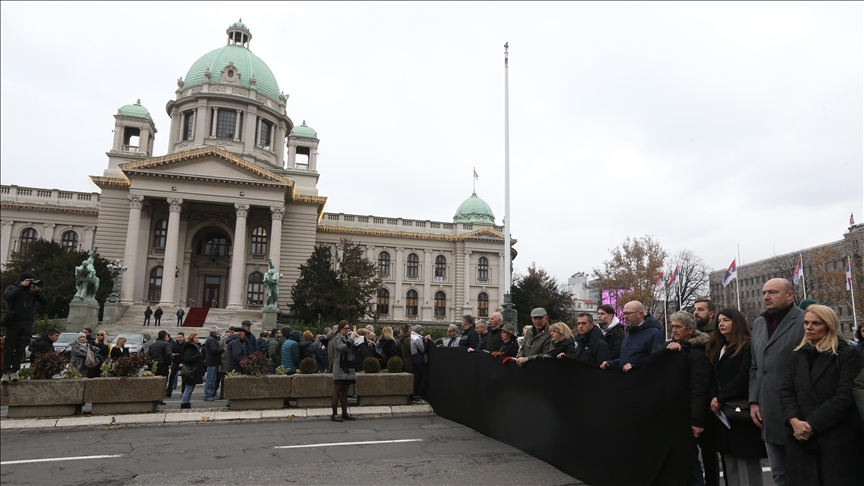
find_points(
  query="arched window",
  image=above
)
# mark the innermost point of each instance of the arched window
(411, 303)
(413, 266)
(154, 288)
(28, 236)
(482, 268)
(160, 233)
(214, 244)
(259, 241)
(255, 289)
(69, 241)
(384, 263)
(384, 302)
(482, 304)
(440, 267)
(440, 304)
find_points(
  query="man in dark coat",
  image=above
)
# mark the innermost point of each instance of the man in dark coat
(705, 312)
(249, 341)
(212, 360)
(494, 341)
(160, 354)
(470, 338)
(176, 359)
(180, 314)
(236, 350)
(483, 332)
(147, 313)
(775, 334)
(686, 338)
(407, 364)
(157, 316)
(44, 342)
(590, 346)
(612, 329)
(643, 338)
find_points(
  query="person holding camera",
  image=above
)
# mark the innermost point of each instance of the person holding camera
(21, 299)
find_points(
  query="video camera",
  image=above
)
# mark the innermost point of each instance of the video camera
(37, 282)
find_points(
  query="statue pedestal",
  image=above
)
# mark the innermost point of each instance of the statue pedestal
(113, 312)
(81, 315)
(269, 320)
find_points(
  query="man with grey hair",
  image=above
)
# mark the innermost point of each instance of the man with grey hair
(470, 338)
(452, 339)
(693, 343)
(418, 359)
(212, 359)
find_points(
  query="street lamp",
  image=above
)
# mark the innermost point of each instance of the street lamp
(116, 268)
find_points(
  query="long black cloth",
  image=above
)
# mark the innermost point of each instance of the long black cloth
(603, 427)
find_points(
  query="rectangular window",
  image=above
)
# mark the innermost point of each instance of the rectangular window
(226, 124)
(264, 139)
(188, 120)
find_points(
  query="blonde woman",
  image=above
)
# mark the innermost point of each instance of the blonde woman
(119, 349)
(818, 406)
(563, 343)
(388, 344)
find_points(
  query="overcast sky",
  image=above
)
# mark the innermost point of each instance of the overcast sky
(704, 125)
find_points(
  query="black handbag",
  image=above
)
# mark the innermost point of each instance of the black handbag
(737, 410)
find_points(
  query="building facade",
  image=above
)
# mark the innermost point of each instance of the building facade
(583, 302)
(238, 186)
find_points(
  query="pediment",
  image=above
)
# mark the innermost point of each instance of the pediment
(484, 234)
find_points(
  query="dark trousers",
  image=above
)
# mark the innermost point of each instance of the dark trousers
(146, 321)
(171, 381)
(157, 321)
(710, 462)
(421, 377)
(220, 385)
(179, 321)
(696, 478)
(17, 339)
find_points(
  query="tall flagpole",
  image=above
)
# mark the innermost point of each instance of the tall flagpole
(852, 289)
(803, 280)
(474, 180)
(509, 313)
(737, 277)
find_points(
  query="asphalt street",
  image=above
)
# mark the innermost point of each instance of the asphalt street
(430, 450)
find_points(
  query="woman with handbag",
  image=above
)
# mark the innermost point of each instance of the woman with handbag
(191, 368)
(344, 374)
(100, 344)
(740, 445)
(826, 434)
(80, 354)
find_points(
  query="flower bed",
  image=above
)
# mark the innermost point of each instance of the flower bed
(133, 394)
(42, 398)
(257, 393)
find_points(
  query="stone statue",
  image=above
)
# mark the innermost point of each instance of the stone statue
(271, 280)
(86, 281)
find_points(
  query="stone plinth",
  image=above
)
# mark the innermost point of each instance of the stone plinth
(269, 319)
(124, 395)
(113, 312)
(81, 315)
(257, 404)
(252, 387)
(311, 386)
(42, 398)
(384, 388)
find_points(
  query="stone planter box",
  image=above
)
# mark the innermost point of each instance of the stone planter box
(313, 390)
(383, 388)
(253, 393)
(43, 398)
(111, 396)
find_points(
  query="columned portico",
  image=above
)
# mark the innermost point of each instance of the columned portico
(238, 259)
(171, 246)
(130, 256)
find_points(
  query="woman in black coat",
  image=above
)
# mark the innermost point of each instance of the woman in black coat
(362, 351)
(741, 446)
(389, 348)
(192, 368)
(509, 344)
(825, 444)
(119, 349)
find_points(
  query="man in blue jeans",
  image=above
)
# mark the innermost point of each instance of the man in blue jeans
(212, 359)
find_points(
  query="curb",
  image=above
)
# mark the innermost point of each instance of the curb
(211, 415)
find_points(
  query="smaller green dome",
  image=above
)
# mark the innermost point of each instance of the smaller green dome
(135, 111)
(304, 131)
(239, 25)
(474, 210)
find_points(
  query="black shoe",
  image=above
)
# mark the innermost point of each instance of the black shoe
(336, 418)
(162, 402)
(167, 395)
(346, 416)
(185, 405)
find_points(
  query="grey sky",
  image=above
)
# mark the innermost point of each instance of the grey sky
(703, 124)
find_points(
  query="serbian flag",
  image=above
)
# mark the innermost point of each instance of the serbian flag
(672, 278)
(731, 273)
(658, 282)
(851, 219)
(799, 271)
(848, 275)
(476, 176)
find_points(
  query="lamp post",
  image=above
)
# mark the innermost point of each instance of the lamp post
(116, 268)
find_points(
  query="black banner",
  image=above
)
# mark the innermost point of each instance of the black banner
(603, 427)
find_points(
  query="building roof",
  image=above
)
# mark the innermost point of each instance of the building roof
(474, 210)
(247, 64)
(135, 111)
(304, 131)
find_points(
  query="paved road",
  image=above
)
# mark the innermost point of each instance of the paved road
(439, 452)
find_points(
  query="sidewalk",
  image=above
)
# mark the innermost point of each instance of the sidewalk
(208, 415)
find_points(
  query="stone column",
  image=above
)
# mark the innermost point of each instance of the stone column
(5, 238)
(213, 123)
(275, 242)
(172, 243)
(313, 158)
(398, 309)
(292, 156)
(176, 126)
(238, 259)
(49, 232)
(279, 145)
(118, 138)
(143, 140)
(466, 280)
(130, 256)
(249, 141)
(237, 126)
(428, 296)
(503, 272)
(89, 231)
(258, 131)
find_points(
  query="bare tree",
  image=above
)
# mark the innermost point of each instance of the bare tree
(693, 281)
(633, 266)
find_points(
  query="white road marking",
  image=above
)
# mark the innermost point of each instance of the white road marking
(349, 443)
(54, 459)
(764, 469)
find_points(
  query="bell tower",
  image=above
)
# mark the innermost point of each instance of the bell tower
(134, 134)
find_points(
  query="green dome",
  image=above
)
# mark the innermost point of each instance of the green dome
(474, 210)
(239, 25)
(247, 64)
(304, 131)
(135, 111)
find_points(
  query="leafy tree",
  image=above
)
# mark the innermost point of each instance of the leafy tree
(55, 265)
(539, 289)
(634, 265)
(344, 292)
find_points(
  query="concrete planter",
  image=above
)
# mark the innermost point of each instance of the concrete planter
(43, 398)
(111, 396)
(313, 390)
(384, 388)
(253, 393)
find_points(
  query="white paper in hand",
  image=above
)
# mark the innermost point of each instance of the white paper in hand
(722, 416)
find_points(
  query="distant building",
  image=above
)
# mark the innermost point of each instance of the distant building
(577, 285)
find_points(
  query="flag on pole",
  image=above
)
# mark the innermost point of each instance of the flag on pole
(477, 177)
(658, 282)
(799, 271)
(851, 219)
(848, 275)
(731, 273)
(672, 278)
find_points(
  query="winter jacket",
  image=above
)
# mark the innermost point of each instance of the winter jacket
(858, 393)
(236, 353)
(418, 350)
(510, 348)
(639, 342)
(493, 343)
(160, 352)
(614, 336)
(273, 352)
(250, 343)
(307, 348)
(535, 343)
(407, 364)
(343, 349)
(389, 349)
(484, 341)
(731, 379)
(290, 355)
(361, 352)
(21, 304)
(470, 338)
(148, 312)
(42, 344)
(566, 346)
(223, 343)
(190, 356)
(262, 346)
(701, 376)
(158, 314)
(117, 352)
(592, 348)
(176, 355)
(212, 351)
(79, 354)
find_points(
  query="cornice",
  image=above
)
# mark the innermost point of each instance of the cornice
(202, 178)
(203, 152)
(110, 181)
(51, 208)
(411, 234)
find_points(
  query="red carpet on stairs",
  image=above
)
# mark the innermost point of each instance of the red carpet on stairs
(195, 317)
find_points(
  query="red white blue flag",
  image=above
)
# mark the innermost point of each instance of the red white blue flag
(851, 219)
(848, 275)
(799, 271)
(731, 273)
(672, 278)
(476, 176)
(658, 282)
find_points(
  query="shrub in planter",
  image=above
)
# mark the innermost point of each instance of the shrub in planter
(131, 365)
(307, 366)
(48, 364)
(394, 365)
(371, 365)
(257, 364)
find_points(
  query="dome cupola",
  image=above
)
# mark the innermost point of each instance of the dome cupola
(239, 34)
(134, 111)
(474, 210)
(304, 131)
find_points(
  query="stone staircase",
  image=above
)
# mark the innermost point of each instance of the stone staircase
(133, 321)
